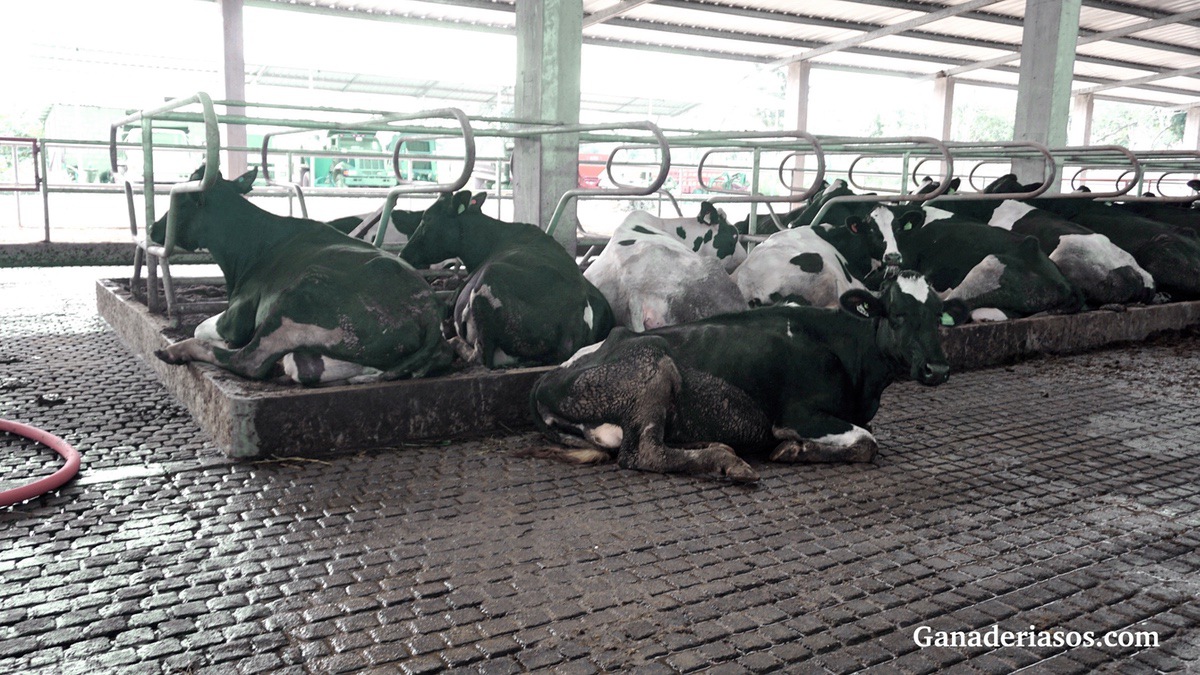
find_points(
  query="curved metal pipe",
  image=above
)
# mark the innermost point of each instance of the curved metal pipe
(663, 167)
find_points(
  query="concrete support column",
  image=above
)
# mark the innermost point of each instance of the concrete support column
(1191, 129)
(1047, 65)
(549, 49)
(1081, 119)
(795, 111)
(941, 114)
(234, 68)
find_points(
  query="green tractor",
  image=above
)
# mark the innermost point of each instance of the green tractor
(349, 171)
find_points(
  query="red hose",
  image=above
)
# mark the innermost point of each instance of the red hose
(51, 482)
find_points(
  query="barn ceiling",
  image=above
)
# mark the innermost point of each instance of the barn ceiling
(1136, 50)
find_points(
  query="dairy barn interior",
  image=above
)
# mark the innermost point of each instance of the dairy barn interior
(992, 470)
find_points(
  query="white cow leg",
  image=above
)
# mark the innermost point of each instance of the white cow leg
(853, 445)
(186, 351)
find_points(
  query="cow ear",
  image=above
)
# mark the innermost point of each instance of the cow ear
(909, 220)
(1029, 248)
(477, 200)
(461, 201)
(1194, 184)
(862, 304)
(955, 312)
(198, 173)
(854, 223)
(708, 214)
(954, 183)
(245, 182)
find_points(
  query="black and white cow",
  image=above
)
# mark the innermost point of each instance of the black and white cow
(708, 234)
(801, 383)
(997, 273)
(652, 279)
(525, 302)
(1104, 272)
(800, 265)
(306, 302)
(1170, 255)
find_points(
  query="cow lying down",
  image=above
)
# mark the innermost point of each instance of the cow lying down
(802, 383)
(652, 279)
(304, 298)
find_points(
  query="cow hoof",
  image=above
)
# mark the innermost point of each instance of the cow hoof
(726, 464)
(166, 356)
(862, 450)
(740, 473)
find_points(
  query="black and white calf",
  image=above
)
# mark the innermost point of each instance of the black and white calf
(801, 383)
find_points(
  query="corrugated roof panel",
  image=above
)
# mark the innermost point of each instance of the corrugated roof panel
(833, 9)
(980, 30)
(674, 16)
(1154, 60)
(1109, 72)
(869, 62)
(1175, 33)
(1135, 94)
(950, 51)
(642, 35)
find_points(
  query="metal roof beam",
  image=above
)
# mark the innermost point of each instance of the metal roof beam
(616, 10)
(1182, 72)
(1094, 37)
(893, 29)
(870, 51)
(919, 34)
(1124, 8)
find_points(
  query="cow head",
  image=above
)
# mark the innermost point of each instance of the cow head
(908, 314)
(441, 235)
(192, 219)
(896, 224)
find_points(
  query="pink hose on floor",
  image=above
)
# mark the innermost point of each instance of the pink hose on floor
(51, 482)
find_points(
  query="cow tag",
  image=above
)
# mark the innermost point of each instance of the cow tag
(461, 208)
(947, 320)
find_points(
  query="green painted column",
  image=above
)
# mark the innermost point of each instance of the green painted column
(1047, 68)
(549, 54)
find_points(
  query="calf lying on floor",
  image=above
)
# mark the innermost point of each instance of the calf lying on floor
(801, 382)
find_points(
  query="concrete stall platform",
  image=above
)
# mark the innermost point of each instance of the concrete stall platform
(252, 419)
(1059, 492)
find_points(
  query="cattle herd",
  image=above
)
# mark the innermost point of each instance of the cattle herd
(679, 346)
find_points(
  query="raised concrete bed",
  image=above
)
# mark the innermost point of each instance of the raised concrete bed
(251, 419)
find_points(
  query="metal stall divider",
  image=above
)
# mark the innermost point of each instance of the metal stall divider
(154, 255)
(794, 144)
(1165, 163)
(904, 148)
